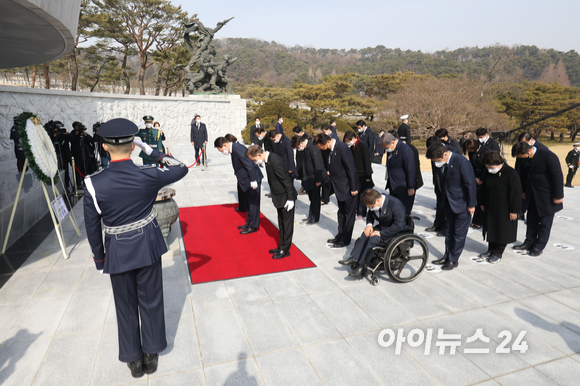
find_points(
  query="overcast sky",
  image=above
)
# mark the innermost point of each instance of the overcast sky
(425, 25)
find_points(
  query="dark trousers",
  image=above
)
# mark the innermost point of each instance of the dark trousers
(139, 293)
(538, 227)
(327, 191)
(496, 249)
(241, 199)
(197, 152)
(253, 207)
(314, 197)
(346, 218)
(363, 246)
(457, 227)
(570, 176)
(439, 222)
(285, 228)
(361, 210)
(407, 201)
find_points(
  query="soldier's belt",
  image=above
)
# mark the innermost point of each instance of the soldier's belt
(130, 227)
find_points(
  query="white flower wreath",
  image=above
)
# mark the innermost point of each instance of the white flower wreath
(42, 149)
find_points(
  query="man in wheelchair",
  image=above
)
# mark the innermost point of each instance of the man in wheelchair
(389, 212)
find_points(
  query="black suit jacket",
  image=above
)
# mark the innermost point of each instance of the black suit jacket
(378, 148)
(254, 138)
(522, 165)
(281, 186)
(401, 169)
(198, 136)
(491, 144)
(391, 218)
(368, 138)
(342, 171)
(545, 182)
(313, 169)
(362, 163)
(418, 175)
(245, 169)
(284, 150)
(459, 184)
(404, 132)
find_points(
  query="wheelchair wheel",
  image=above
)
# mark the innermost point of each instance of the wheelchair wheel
(406, 257)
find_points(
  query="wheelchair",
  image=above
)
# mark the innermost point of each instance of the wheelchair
(403, 258)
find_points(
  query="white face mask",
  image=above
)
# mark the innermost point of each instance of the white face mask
(260, 138)
(197, 121)
(482, 140)
(257, 123)
(148, 125)
(389, 150)
(225, 152)
(440, 164)
(375, 209)
(360, 130)
(276, 141)
(301, 148)
(350, 144)
(281, 121)
(493, 171)
(259, 162)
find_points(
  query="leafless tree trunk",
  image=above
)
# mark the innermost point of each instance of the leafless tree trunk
(47, 75)
(34, 76)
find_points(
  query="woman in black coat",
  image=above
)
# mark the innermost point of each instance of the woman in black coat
(364, 170)
(502, 193)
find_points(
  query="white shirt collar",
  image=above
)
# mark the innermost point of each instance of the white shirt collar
(333, 144)
(449, 159)
(266, 157)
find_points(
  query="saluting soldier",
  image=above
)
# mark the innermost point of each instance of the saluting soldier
(572, 161)
(151, 137)
(122, 197)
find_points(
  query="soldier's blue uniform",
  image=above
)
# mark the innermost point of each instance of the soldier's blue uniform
(122, 196)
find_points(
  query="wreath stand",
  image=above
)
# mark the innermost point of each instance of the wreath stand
(63, 214)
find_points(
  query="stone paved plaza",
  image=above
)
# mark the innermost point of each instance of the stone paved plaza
(308, 327)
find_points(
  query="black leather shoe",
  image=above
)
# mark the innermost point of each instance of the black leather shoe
(441, 234)
(449, 266)
(150, 362)
(534, 252)
(331, 241)
(358, 273)
(440, 261)
(310, 222)
(432, 229)
(522, 247)
(243, 226)
(268, 195)
(281, 254)
(347, 262)
(338, 245)
(248, 230)
(493, 259)
(240, 211)
(483, 255)
(273, 251)
(136, 368)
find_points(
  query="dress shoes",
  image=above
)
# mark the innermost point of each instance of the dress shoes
(493, 259)
(136, 368)
(330, 241)
(484, 255)
(432, 229)
(449, 266)
(534, 252)
(441, 234)
(358, 273)
(522, 247)
(338, 245)
(273, 251)
(347, 262)
(248, 230)
(281, 254)
(150, 362)
(440, 261)
(268, 195)
(240, 211)
(243, 226)
(310, 222)
(568, 186)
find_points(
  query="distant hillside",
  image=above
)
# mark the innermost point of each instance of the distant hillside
(275, 63)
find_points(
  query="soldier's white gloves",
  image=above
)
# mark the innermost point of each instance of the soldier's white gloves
(142, 145)
(571, 167)
(289, 205)
(254, 185)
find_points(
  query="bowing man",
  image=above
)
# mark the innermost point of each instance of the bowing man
(544, 192)
(284, 150)
(367, 136)
(390, 215)
(342, 172)
(249, 177)
(459, 193)
(313, 176)
(401, 170)
(283, 197)
(364, 170)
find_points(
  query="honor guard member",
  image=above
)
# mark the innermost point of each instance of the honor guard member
(122, 197)
(151, 137)
(572, 162)
(404, 130)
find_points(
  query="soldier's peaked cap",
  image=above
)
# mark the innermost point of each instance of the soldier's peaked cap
(148, 118)
(118, 131)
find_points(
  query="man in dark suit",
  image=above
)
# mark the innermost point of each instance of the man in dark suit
(313, 176)
(486, 140)
(254, 139)
(367, 136)
(364, 169)
(121, 199)
(391, 218)
(249, 178)
(328, 130)
(327, 190)
(460, 195)
(544, 193)
(283, 197)
(401, 171)
(198, 136)
(284, 150)
(523, 164)
(379, 150)
(279, 127)
(443, 135)
(572, 161)
(298, 133)
(343, 177)
(404, 130)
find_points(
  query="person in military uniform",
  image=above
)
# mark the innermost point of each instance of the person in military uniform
(18, 152)
(572, 162)
(122, 197)
(151, 137)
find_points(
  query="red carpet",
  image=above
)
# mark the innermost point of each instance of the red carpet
(217, 251)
